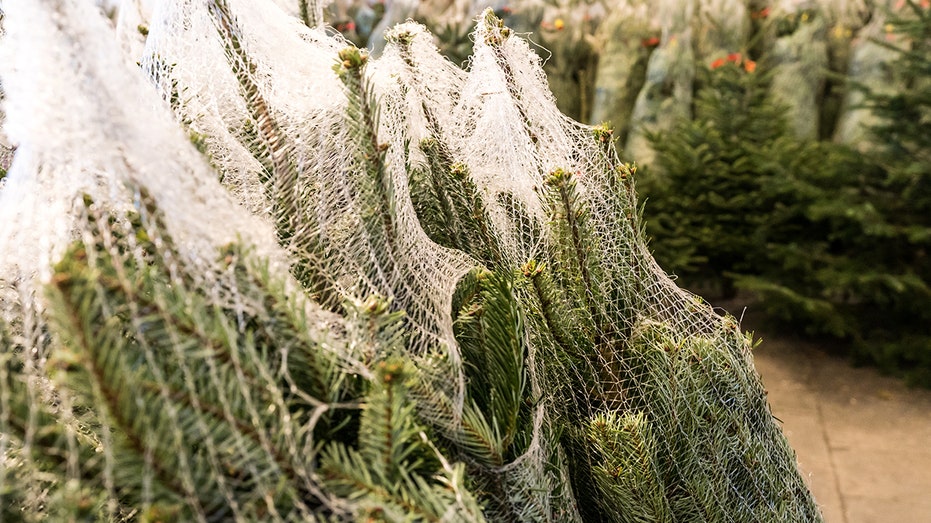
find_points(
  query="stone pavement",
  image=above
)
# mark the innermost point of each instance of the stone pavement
(863, 440)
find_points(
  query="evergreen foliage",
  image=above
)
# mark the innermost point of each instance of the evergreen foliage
(705, 194)
(182, 378)
(828, 239)
(903, 199)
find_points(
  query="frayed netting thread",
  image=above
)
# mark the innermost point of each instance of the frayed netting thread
(250, 162)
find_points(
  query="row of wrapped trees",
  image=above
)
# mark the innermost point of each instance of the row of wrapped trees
(780, 145)
(633, 62)
(785, 180)
(267, 278)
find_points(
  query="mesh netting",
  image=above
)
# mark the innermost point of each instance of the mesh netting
(666, 96)
(800, 61)
(263, 277)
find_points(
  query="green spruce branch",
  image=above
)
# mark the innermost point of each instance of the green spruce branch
(111, 338)
(448, 203)
(281, 178)
(394, 474)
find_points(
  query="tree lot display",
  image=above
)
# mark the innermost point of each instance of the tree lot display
(441, 306)
(831, 240)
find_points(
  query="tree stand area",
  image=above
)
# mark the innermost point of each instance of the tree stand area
(260, 276)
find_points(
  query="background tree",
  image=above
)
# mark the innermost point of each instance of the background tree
(828, 239)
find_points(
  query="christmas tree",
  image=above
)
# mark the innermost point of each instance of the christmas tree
(265, 278)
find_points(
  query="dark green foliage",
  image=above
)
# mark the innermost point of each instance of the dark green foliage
(218, 392)
(580, 273)
(390, 473)
(830, 240)
(151, 367)
(629, 476)
(559, 335)
(497, 418)
(490, 330)
(449, 205)
(904, 200)
(292, 206)
(113, 316)
(704, 195)
(579, 267)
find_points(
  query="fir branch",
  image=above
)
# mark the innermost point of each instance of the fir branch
(85, 330)
(628, 476)
(275, 150)
(461, 220)
(447, 221)
(281, 178)
(362, 115)
(40, 449)
(569, 216)
(393, 473)
(568, 349)
(463, 217)
(552, 313)
(281, 327)
(125, 296)
(580, 271)
(491, 340)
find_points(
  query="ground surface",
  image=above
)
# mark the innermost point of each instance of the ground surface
(863, 440)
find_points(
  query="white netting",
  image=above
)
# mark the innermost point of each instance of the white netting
(799, 57)
(291, 286)
(868, 67)
(118, 176)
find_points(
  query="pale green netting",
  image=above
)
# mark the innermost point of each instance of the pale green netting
(800, 57)
(266, 278)
(666, 95)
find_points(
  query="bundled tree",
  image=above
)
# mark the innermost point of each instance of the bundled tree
(442, 308)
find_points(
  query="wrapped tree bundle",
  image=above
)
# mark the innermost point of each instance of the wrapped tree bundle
(799, 57)
(280, 281)
(568, 33)
(666, 96)
(845, 20)
(721, 27)
(627, 38)
(868, 68)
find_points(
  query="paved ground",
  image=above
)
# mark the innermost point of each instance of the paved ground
(863, 440)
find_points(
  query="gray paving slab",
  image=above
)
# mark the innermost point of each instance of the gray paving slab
(863, 440)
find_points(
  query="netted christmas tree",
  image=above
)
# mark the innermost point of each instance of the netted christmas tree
(265, 278)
